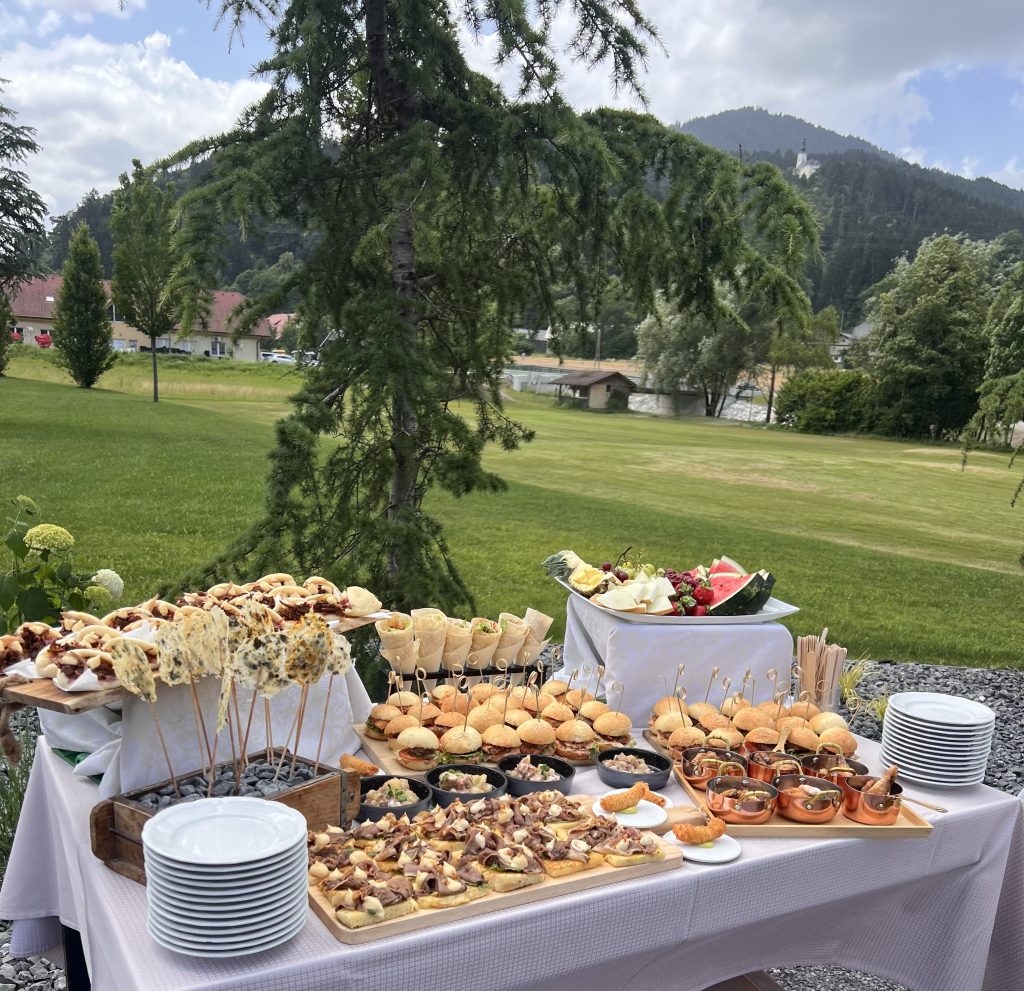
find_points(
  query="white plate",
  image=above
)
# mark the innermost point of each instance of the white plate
(912, 735)
(219, 831)
(936, 752)
(646, 816)
(943, 710)
(942, 783)
(227, 939)
(912, 771)
(218, 911)
(233, 950)
(236, 895)
(721, 851)
(933, 734)
(240, 925)
(772, 610)
(200, 872)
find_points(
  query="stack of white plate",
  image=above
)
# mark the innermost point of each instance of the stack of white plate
(225, 876)
(935, 739)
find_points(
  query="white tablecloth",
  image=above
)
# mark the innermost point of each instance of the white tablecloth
(939, 914)
(643, 656)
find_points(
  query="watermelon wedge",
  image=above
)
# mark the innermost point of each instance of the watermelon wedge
(725, 566)
(739, 594)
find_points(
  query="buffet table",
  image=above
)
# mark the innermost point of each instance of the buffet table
(641, 654)
(939, 914)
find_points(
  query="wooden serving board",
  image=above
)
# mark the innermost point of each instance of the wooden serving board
(387, 759)
(44, 694)
(908, 826)
(493, 902)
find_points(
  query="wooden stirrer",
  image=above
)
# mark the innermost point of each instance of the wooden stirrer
(711, 681)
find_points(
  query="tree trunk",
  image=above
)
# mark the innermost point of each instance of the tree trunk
(771, 396)
(152, 351)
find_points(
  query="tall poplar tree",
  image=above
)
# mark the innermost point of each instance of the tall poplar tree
(81, 329)
(437, 208)
(141, 224)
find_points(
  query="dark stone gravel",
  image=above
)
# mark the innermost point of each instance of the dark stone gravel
(1001, 690)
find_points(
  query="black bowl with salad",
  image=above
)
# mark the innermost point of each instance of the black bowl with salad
(527, 773)
(465, 782)
(623, 767)
(384, 793)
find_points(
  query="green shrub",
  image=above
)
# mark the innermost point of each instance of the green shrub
(827, 402)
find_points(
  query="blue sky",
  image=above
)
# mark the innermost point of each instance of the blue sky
(102, 85)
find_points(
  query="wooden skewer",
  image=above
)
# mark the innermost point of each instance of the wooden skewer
(711, 681)
(248, 726)
(298, 731)
(679, 674)
(163, 745)
(617, 686)
(923, 804)
(269, 741)
(726, 685)
(287, 741)
(600, 676)
(323, 724)
(234, 753)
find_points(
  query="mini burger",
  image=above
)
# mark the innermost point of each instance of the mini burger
(447, 721)
(573, 740)
(536, 737)
(575, 697)
(406, 701)
(516, 717)
(483, 691)
(441, 692)
(668, 703)
(460, 745)
(665, 726)
(613, 729)
(556, 714)
(555, 687)
(684, 738)
(380, 716)
(591, 709)
(459, 702)
(395, 727)
(426, 714)
(483, 716)
(500, 741)
(417, 748)
(535, 703)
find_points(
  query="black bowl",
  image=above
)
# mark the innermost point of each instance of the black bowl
(375, 812)
(658, 778)
(498, 781)
(517, 786)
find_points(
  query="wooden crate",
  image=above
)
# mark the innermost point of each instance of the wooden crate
(115, 825)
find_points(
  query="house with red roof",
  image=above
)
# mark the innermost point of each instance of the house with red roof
(34, 303)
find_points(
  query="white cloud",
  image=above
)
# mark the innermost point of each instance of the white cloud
(96, 105)
(12, 25)
(50, 22)
(848, 66)
(1010, 174)
(969, 166)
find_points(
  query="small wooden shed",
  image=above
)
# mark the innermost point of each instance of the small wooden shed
(595, 388)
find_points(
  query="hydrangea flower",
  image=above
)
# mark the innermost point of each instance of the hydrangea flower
(98, 596)
(111, 581)
(24, 502)
(49, 537)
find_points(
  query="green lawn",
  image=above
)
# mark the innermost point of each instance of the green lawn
(888, 544)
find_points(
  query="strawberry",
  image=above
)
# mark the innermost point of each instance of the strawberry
(697, 611)
(704, 595)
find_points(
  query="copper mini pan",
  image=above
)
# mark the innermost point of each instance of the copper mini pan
(832, 767)
(872, 810)
(805, 807)
(768, 764)
(698, 769)
(754, 804)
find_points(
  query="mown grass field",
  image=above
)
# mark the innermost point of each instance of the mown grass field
(893, 548)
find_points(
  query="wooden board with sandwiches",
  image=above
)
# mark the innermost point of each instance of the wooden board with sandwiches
(395, 875)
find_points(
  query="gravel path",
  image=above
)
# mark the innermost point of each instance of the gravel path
(1001, 690)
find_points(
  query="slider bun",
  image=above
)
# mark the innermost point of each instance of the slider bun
(840, 737)
(483, 691)
(733, 705)
(669, 722)
(668, 703)
(592, 709)
(459, 702)
(729, 735)
(450, 719)
(484, 716)
(428, 711)
(699, 709)
(748, 719)
(804, 737)
(686, 736)
(763, 735)
(417, 736)
(575, 731)
(576, 697)
(382, 712)
(806, 709)
(791, 723)
(403, 699)
(394, 729)
(714, 720)
(502, 736)
(536, 732)
(558, 713)
(613, 724)
(440, 692)
(516, 717)
(461, 741)
(555, 687)
(828, 720)
(531, 703)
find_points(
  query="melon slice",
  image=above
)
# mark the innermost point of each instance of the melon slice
(725, 566)
(742, 595)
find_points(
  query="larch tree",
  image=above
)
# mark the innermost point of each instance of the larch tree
(437, 207)
(81, 327)
(141, 223)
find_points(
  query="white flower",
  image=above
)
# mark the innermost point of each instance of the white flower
(111, 581)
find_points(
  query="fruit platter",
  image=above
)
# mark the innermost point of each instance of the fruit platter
(720, 593)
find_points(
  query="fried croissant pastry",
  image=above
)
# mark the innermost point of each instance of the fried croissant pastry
(688, 832)
(624, 799)
(883, 785)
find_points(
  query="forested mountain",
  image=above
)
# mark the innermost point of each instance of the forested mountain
(872, 206)
(756, 129)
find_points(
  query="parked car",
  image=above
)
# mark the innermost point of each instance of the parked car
(277, 358)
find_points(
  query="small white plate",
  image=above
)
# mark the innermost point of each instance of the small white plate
(241, 925)
(721, 851)
(223, 913)
(177, 946)
(931, 782)
(216, 875)
(943, 710)
(240, 895)
(219, 831)
(647, 814)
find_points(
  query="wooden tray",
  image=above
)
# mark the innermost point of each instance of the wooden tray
(115, 825)
(387, 759)
(44, 694)
(493, 902)
(908, 826)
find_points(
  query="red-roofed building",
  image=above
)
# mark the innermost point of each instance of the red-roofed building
(34, 303)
